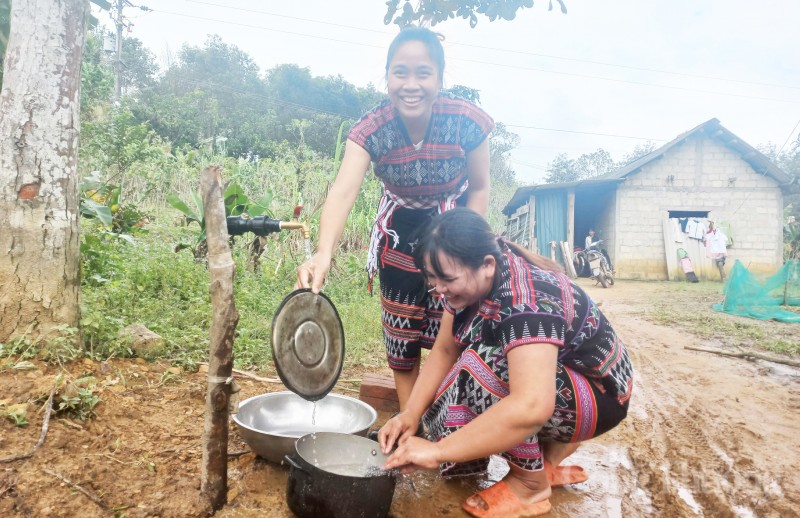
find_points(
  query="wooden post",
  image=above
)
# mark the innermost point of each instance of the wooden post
(569, 266)
(214, 472)
(534, 246)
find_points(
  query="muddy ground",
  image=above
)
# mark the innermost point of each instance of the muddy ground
(706, 436)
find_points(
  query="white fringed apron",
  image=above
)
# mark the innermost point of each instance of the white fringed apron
(381, 231)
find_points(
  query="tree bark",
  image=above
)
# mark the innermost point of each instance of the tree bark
(39, 126)
(214, 473)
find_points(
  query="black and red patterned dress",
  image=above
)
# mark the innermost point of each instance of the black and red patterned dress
(531, 306)
(420, 180)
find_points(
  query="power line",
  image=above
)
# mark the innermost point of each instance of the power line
(298, 18)
(789, 137)
(583, 132)
(499, 49)
(516, 67)
(269, 29)
(628, 67)
(627, 81)
(534, 166)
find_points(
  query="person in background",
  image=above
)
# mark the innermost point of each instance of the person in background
(591, 244)
(589, 240)
(525, 365)
(431, 151)
(717, 247)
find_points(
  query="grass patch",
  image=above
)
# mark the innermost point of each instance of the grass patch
(688, 307)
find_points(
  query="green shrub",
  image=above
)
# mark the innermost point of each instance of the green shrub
(78, 399)
(146, 282)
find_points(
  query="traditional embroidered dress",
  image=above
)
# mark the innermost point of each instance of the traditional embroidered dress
(420, 180)
(532, 306)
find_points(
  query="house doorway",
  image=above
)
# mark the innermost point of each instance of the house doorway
(594, 209)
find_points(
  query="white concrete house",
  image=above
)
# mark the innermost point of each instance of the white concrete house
(707, 173)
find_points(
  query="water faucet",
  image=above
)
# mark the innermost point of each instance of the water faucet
(263, 226)
(295, 223)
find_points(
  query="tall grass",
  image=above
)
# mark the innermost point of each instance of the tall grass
(146, 282)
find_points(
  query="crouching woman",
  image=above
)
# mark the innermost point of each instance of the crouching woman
(525, 365)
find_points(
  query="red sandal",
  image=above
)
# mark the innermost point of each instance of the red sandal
(503, 503)
(563, 475)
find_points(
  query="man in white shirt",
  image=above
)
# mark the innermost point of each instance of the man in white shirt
(589, 239)
(717, 247)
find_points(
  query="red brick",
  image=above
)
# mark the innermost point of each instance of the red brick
(379, 391)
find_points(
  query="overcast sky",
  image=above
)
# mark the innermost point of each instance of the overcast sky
(606, 72)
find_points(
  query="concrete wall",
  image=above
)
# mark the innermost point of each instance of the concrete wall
(700, 174)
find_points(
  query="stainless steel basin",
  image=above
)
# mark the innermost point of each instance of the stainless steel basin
(271, 423)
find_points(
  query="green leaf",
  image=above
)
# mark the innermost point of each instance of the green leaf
(103, 4)
(200, 214)
(178, 203)
(236, 201)
(93, 209)
(261, 206)
(234, 189)
(113, 199)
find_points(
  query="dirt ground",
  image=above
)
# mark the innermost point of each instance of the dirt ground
(706, 436)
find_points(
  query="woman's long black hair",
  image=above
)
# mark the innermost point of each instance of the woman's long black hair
(464, 235)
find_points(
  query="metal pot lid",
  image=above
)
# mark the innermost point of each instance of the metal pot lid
(308, 344)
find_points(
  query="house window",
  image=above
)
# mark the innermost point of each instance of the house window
(518, 228)
(688, 214)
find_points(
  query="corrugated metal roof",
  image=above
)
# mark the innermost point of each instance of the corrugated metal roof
(711, 128)
(523, 193)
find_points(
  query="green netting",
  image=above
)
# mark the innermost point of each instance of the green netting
(763, 298)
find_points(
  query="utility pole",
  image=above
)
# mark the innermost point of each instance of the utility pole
(118, 61)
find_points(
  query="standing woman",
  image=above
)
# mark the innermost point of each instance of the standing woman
(525, 365)
(431, 151)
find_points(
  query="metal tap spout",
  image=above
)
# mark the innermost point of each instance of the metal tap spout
(296, 224)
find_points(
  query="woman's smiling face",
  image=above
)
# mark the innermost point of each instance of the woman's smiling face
(413, 81)
(460, 285)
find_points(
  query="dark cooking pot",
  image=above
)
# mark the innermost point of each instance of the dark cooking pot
(336, 475)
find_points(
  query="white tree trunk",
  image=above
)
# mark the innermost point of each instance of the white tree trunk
(39, 125)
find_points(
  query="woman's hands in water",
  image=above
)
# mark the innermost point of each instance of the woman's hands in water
(311, 273)
(400, 427)
(414, 453)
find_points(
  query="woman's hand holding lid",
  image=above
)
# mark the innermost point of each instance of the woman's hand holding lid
(312, 273)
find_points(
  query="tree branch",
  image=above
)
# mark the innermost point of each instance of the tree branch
(250, 375)
(42, 435)
(747, 355)
(94, 498)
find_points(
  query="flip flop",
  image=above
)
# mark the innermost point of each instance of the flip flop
(503, 503)
(563, 475)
